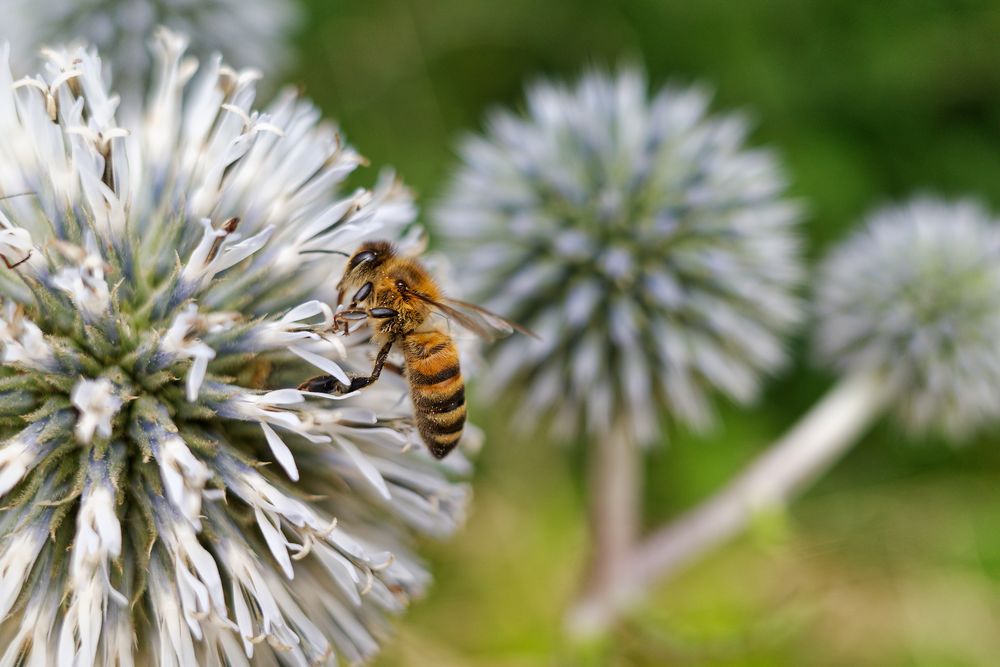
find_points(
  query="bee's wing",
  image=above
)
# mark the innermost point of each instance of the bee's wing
(483, 323)
(490, 319)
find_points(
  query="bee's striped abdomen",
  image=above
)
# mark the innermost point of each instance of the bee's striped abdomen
(436, 388)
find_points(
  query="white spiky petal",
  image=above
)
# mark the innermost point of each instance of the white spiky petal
(915, 296)
(653, 254)
(175, 291)
(253, 33)
(97, 402)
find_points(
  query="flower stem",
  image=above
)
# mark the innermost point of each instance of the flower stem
(614, 496)
(811, 447)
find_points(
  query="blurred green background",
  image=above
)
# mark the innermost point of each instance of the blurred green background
(894, 557)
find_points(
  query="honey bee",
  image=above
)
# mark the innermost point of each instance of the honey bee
(398, 297)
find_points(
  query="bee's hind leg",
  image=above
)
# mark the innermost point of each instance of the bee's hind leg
(327, 384)
(383, 354)
(15, 264)
(324, 384)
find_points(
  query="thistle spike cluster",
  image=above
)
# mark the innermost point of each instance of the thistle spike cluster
(253, 33)
(915, 296)
(654, 254)
(167, 497)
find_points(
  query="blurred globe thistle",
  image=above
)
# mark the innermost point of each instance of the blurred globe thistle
(167, 498)
(908, 309)
(248, 33)
(915, 295)
(653, 253)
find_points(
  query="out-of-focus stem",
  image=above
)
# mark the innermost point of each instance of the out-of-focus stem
(614, 496)
(812, 446)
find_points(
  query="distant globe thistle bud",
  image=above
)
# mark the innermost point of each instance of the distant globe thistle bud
(168, 497)
(915, 296)
(653, 253)
(248, 33)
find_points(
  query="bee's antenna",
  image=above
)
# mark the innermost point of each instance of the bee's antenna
(324, 252)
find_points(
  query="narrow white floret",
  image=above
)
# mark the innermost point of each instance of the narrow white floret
(98, 403)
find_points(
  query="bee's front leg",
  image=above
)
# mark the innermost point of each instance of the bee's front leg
(343, 319)
(352, 311)
(363, 292)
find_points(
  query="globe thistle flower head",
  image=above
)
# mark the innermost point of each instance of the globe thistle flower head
(915, 296)
(169, 497)
(654, 254)
(250, 33)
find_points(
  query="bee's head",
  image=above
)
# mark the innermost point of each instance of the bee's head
(364, 264)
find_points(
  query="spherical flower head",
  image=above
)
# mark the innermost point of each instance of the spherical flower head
(251, 33)
(654, 254)
(915, 296)
(169, 497)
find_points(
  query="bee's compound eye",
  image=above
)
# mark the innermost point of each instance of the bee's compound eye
(361, 257)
